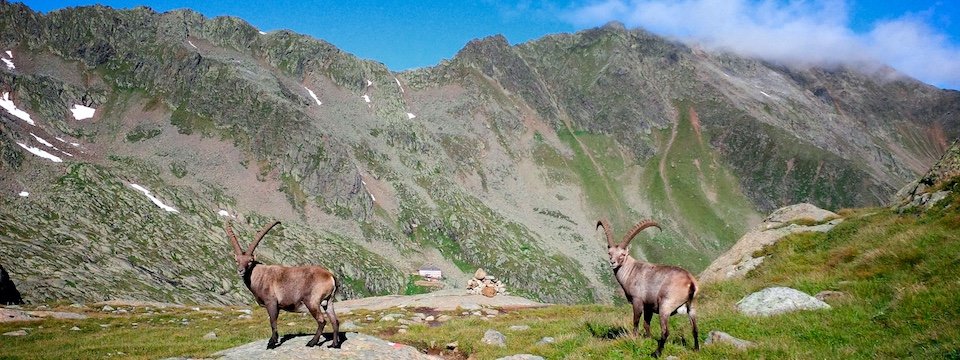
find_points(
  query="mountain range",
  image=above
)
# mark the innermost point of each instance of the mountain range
(502, 157)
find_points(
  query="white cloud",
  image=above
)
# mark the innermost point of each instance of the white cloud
(815, 32)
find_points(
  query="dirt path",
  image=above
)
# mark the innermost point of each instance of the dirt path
(663, 166)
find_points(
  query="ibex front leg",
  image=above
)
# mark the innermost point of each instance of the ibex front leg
(273, 311)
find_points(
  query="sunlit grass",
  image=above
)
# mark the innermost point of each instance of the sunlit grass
(898, 274)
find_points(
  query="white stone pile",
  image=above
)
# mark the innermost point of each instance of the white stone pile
(484, 284)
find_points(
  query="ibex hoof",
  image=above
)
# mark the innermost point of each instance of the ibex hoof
(311, 344)
(334, 346)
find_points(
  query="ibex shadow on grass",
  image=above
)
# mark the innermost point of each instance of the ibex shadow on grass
(288, 288)
(651, 288)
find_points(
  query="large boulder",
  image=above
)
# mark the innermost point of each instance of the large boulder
(739, 260)
(778, 300)
(8, 291)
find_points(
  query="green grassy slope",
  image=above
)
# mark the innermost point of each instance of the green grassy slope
(897, 271)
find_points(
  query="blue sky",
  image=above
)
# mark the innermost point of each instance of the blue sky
(919, 38)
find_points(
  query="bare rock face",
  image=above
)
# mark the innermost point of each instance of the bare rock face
(778, 300)
(739, 260)
(8, 291)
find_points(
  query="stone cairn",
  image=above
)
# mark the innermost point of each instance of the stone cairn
(486, 285)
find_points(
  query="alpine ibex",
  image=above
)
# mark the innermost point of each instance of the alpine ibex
(289, 288)
(651, 288)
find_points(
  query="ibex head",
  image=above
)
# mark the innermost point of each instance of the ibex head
(619, 252)
(246, 259)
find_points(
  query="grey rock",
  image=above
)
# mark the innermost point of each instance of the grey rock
(521, 357)
(16, 333)
(777, 300)
(107, 308)
(720, 337)
(519, 327)
(547, 340)
(495, 338)
(470, 306)
(75, 328)
(210, 336)
(349, 326)
(936, 197)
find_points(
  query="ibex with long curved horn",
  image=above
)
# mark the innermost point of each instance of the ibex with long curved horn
(289, 288)
(651, 288)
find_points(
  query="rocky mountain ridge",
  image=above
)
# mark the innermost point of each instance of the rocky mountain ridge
(501, 157)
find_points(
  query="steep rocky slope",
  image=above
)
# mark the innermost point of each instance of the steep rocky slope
(501, 157)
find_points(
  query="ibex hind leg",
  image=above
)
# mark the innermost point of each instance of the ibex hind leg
(693, 323)
(332, 315)
(321, 323)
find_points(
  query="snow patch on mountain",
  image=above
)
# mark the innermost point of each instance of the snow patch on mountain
(156, 201)
(11, 108)
(81, 112)
(40, 153)
(313, 95)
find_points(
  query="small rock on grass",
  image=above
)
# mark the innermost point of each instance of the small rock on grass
(522, 357)
(16, 333)
(495, 338)
(74, 329)
(210, 336)
(720, 337)
(519, 327)
(547, 340)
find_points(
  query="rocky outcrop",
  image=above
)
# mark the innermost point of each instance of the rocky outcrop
(739, 260)
(928, 190)
(778, 300)
(9, 295)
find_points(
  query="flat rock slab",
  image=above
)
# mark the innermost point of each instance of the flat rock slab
(14, 315)
(356, 346)
(778, 300)
(443, 300)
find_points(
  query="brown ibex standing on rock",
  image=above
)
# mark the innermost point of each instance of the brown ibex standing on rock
(651, 288)
(289, 288)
